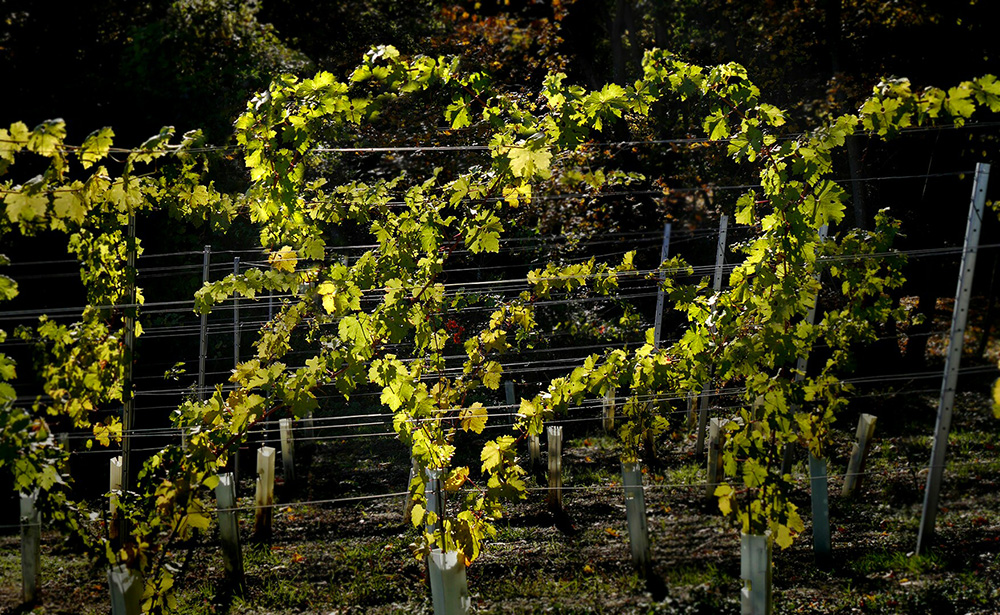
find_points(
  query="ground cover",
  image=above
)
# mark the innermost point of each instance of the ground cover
(353, 557)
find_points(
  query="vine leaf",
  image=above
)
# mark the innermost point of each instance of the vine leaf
(69, 205)
(26, 207)
(528, 161)
(784, 537)
(284, 259)
(456, 478)
(725, 494)
(474, 418)
(95, 146)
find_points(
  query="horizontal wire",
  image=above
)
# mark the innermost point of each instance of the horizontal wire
(67, 148)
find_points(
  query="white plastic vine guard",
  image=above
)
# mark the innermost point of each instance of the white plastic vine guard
(449, 588)
(126, 590)
(755, 570)
(635, 510)
(31, 566)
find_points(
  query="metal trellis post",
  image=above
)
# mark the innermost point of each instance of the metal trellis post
(954, 357)
(203, 341)
(720, 261)
(658, 320)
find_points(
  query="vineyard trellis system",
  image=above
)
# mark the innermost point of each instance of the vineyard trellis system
(384, 317)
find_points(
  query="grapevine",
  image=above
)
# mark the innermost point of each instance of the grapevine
(381, 320)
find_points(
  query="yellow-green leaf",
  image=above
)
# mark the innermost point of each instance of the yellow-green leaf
(198, 521)
(456, 478)
(474, 418)
(70, 206)
(284, 259)
(784, 537)
(25, 206)
(725, 494)
(417, 514)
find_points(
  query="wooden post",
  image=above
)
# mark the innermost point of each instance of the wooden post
(31, 545)
(264, 498)
(635, 509)
(609, 409)
(819, 487)
(714, 456)
(555, 500)
(229, 529)
(953, 358)
(859, 455)
(287, 450)
(660, 277)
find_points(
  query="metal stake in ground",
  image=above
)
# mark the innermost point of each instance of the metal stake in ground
(236, 362)
(954, 357)
(801, 364)
(203, 337)
(720, 261)
(128, 405)
(658, 318)
(236, 316)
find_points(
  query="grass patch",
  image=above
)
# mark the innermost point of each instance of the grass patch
(885, 561)
(690, 474)
(592, 474)
(584, 582)
(688, 576)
